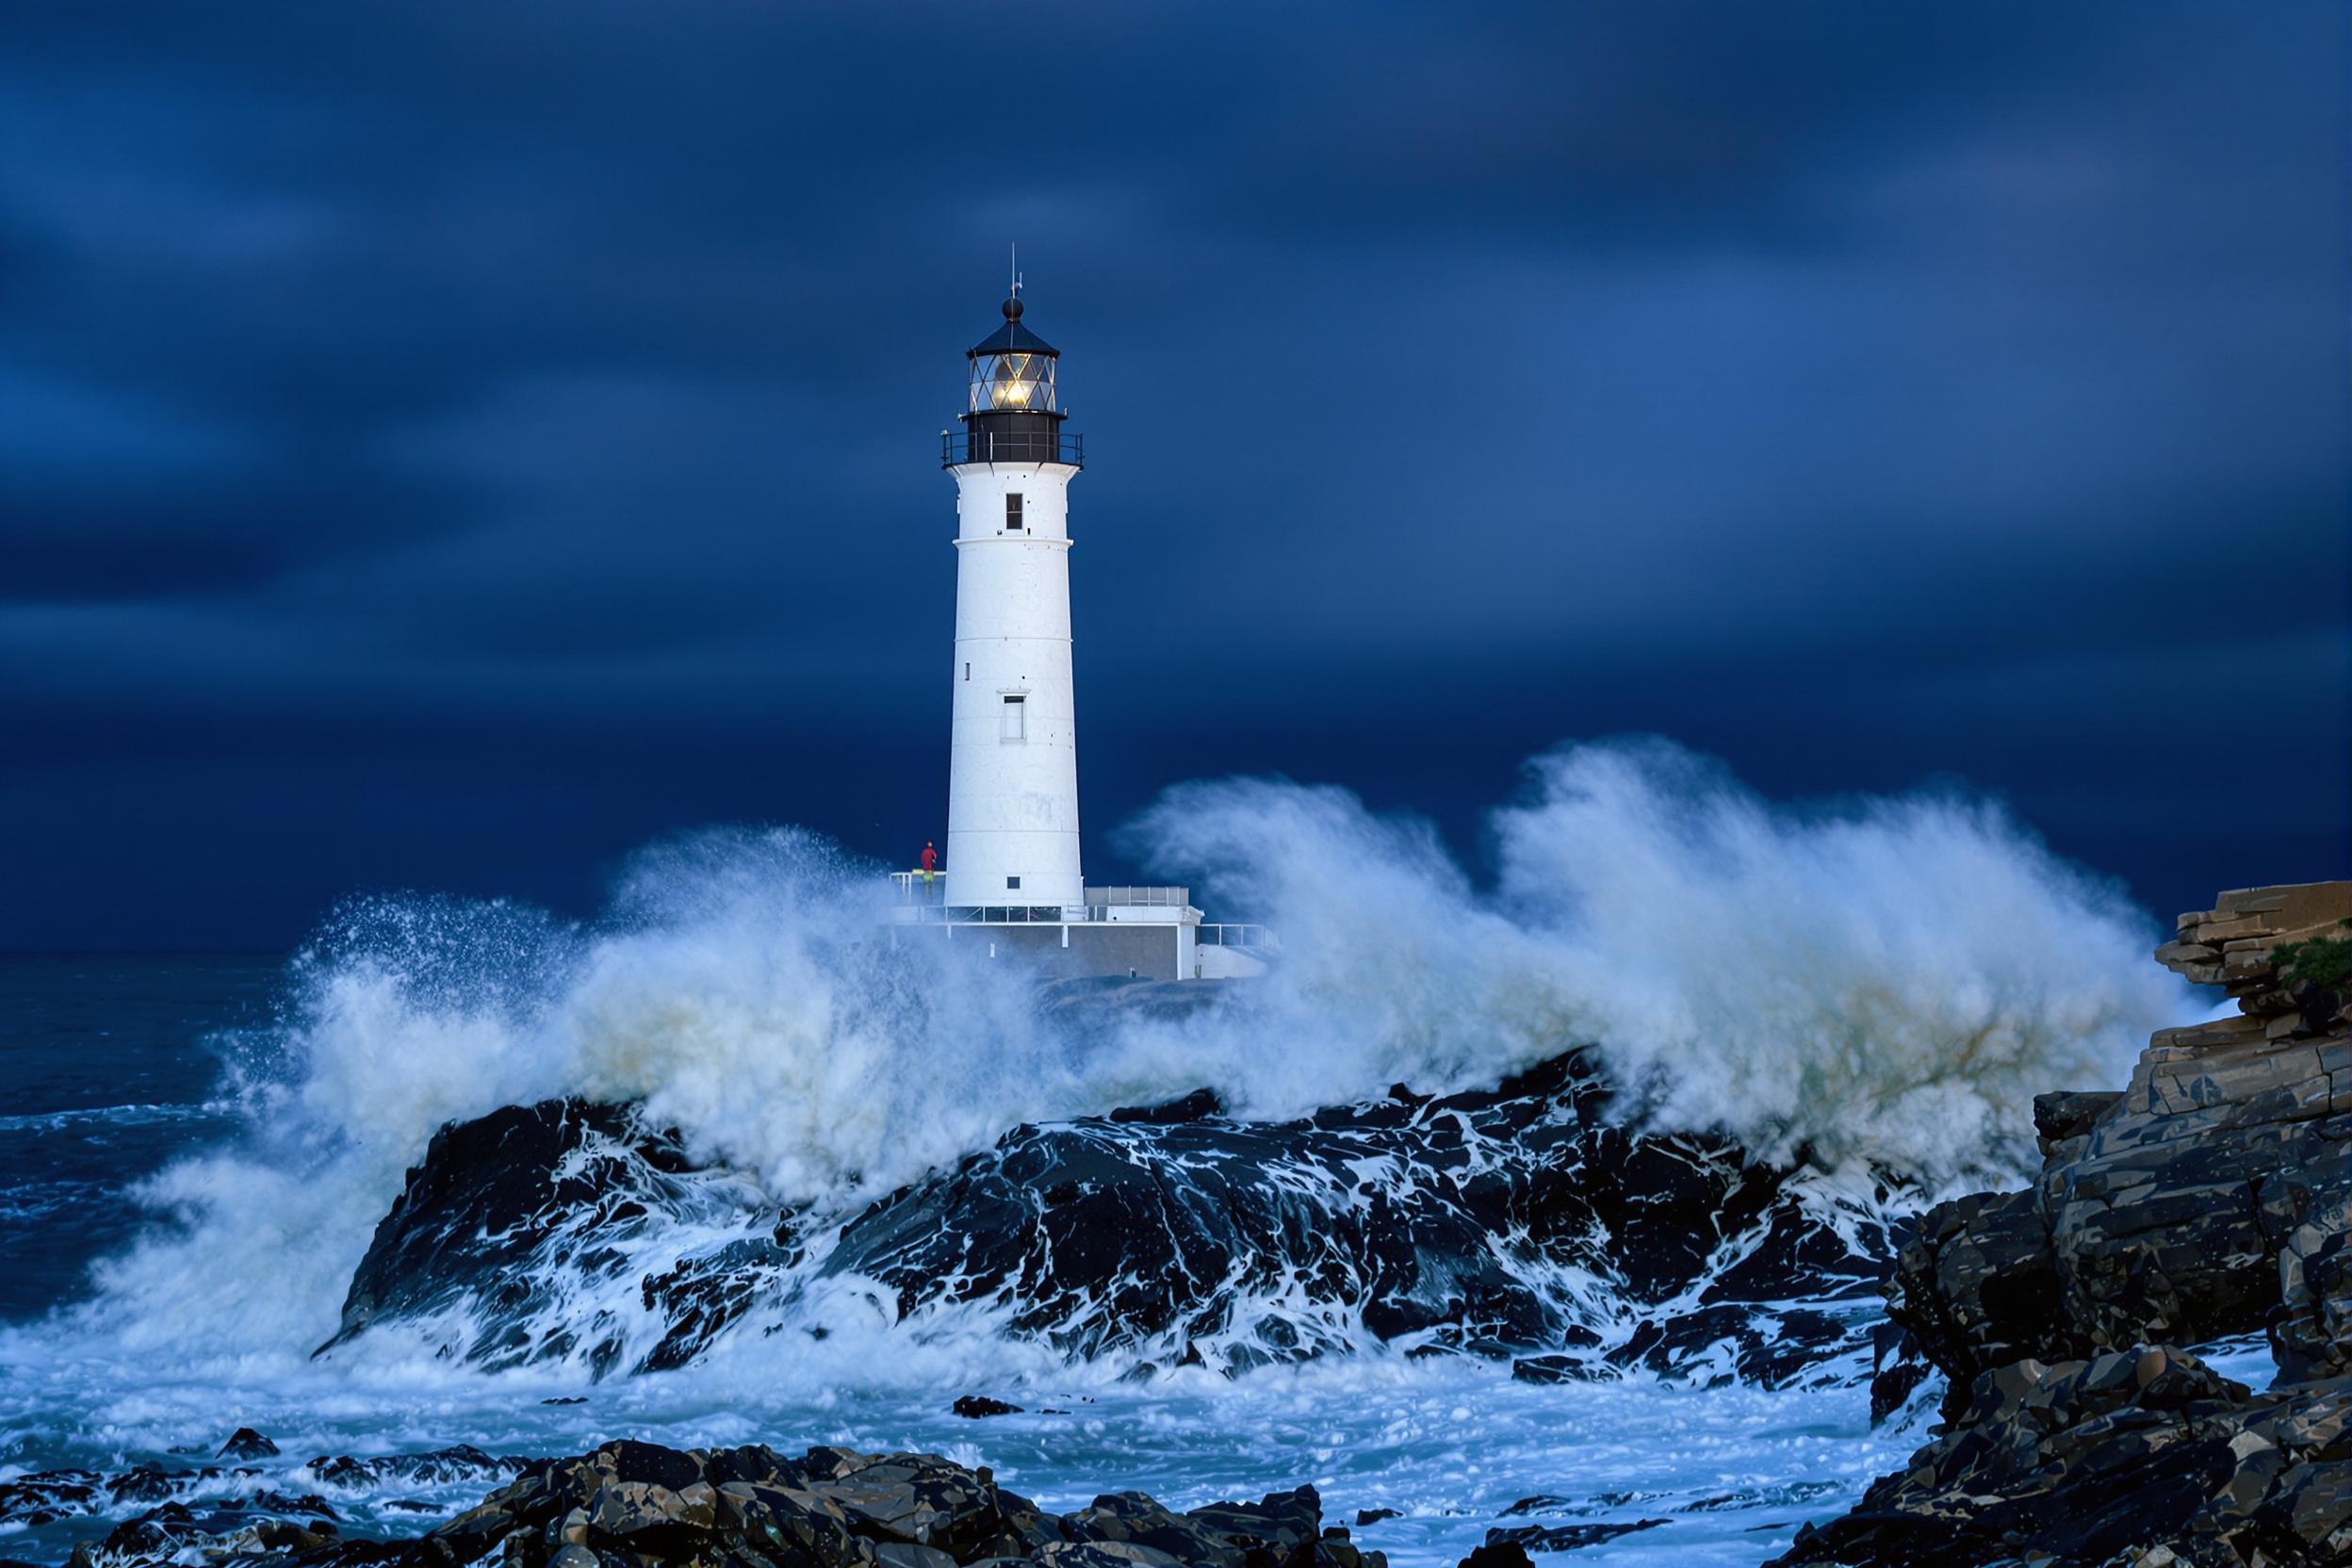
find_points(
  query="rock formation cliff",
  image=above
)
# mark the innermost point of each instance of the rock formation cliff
(2210, 1196)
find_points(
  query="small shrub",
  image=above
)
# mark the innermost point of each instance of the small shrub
(2324, 961)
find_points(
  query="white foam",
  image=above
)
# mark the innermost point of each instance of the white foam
(1884, 980)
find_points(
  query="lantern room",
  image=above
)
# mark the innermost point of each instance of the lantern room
(1013, 411)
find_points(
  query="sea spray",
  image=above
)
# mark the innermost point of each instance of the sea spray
(1887, 981)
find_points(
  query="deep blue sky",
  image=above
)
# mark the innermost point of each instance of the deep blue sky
(445, 446)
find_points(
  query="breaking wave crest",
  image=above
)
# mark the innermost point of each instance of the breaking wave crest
(1887, 982)
(1884, 980)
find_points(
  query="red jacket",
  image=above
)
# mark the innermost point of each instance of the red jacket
(930, 859)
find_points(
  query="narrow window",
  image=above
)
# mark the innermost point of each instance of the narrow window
(1012, 513)
(1012, 884)
(1016, 725)
(966, 669)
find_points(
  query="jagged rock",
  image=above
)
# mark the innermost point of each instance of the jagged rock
(646, 1505)
(530, 1207)
(2199, 1202)
(440, 1467)
(976, 1407)
(245, 1442)
(2130, 1453)
(1180, 1236)
(1565, 1537)
(1897, 1369)
(1497, 1554)
(46, 1496)
(1197, 1106)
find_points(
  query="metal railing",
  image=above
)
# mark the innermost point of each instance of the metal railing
(1140, 898)
(928, 898)
(912, 887)
(992, 446)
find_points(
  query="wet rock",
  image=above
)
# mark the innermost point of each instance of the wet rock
(438, 1467)
(245, 1442)
(1373, 1515)
(1565, 1537)
(1197, 1106)
(1182, 1238)
(634, 1505)
(46, 1496)
(2130, 1453)
(976, 1407)
(520, 1212)
(148, 1483)
(1898, 1368)
(1497, 1554)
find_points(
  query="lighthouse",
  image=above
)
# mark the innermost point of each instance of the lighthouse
(1012, 879)
(1012, 787)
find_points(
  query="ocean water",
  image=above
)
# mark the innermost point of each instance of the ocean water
(195, 1151)
(111, 1065)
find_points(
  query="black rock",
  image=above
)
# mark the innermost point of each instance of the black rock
(147, 1483)
(440, 1467)
(975, 1407)
(651, 1506)
(2102, 1460)
(1565, 1537)
(46, 1496)
(245, 1442)
(1897, 1369)
(1138, 1235)
(1497, 1554)
(1197, 1106)
(1373, 1515)
(514, 1212)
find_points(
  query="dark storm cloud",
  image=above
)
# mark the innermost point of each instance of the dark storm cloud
(443, 444)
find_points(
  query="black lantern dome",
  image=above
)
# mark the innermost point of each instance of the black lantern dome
(1013, 411)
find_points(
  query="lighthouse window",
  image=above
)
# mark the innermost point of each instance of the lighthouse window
(1012, 511)
(1012, 884)
(1016, 726)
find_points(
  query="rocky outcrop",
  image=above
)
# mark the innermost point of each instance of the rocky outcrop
(1516, 1220)
(2210, 1198)
(635, 1505)
(2140, 1457)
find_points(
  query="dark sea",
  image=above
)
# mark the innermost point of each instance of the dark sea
(114, 1063)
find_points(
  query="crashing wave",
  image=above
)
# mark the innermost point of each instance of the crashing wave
(1788, 1002)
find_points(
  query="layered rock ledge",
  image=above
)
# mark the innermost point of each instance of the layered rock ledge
(2210, 1196)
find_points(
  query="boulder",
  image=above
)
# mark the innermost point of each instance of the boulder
(245, 1442)
(2118, 1459)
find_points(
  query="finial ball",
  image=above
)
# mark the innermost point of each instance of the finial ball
(1012, 308)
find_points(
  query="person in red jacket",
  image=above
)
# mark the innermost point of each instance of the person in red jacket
(930, 861)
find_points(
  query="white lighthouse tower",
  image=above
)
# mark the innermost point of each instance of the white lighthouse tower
(1012, 879)
(1012, 787)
